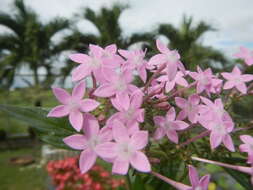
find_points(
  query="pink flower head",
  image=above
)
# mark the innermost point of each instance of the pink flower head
(135, 60)
(236, 79)
(206, 81)
(170, 84)
(88, 142)
(118, 85)
(246, 55)
(190, 108)
(247, 147)
(169, 126)
(198, 184)
(169, 57)
(97, 60)
(73, 105)
(125, 150)
(134, 113)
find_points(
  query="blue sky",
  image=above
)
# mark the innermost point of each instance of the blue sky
(232, 18)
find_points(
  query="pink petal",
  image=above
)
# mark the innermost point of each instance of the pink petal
(172, 135)
(105, 90)
(62, 95)
(96, 51)
(106, 150)
(78, 142)
(87, 160)
(180, 102)
(180, 125)
(172, 71)
(120, 167)
(236, 71)
(58, 111)
(228, 85)
(123, 99)
(140, 162)
(88, 105)
(181, 81)
(246, 139)
(76, 120)
(159, 120)
(194, 99)
(116, 104)
(182, 115)
(242, 88)
(161, 47)
(119, 131)
(139, 140)
(159, 133)
(227, 76)
(90, 125)
(157, 59)
(140, 115)
(105, 134)
(193, 175)
(169, 86)
(247, 77)
(79, 91)
(79, 58)
(136, 99)
(143, 73)
(215, 140)
(204, 181)
(125, 53)
(227, 140)
(171, 114)
(244, 148)
(81, 72)
(111, 48)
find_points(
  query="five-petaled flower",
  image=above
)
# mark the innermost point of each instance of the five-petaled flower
(246, 55)
(125, 150)
(169, 126)
(236, 79)
(73, 105)
(198, 184)
(88, 142)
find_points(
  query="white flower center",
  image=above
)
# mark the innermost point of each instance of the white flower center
(125, 150)
(172, 57)
(120, 85)
(93, 142)
(198, 188)
(73, 105)
(96, 63)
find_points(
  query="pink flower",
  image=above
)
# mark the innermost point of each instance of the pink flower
(246, 55)
(118, 84)
(135, 60)
(170, 84)
(198, 184)
(134, 113)
(190, 108)
(169, 126)
(97, 60)
(125, 150)
(88, 142)
(236, 79)
(168, 57)
(247, 147)
(73, 105)
(206, 81)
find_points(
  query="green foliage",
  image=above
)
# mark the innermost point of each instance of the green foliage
(50, 130)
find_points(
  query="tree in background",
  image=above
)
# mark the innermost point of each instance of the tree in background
(107, 23)
(29, 43)
(186, 39)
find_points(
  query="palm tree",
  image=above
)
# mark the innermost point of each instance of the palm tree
(186, 39)
(107, 23)
(29, 43)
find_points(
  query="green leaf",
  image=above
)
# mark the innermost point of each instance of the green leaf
(50, 130)
(241, 178)
(137, 183)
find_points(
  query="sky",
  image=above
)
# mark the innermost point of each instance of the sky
(233, 19)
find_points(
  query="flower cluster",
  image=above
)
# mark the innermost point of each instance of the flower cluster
(66, 175)
(172, 100)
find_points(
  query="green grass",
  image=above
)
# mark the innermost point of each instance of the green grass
(15, 177)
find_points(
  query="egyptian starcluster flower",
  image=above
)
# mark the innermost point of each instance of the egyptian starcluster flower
(138, 114)
(246, 55)
(214, 118)
(237, 80)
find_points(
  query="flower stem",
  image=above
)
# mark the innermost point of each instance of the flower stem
(179, 186)
(238, 168)
(201, 135)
